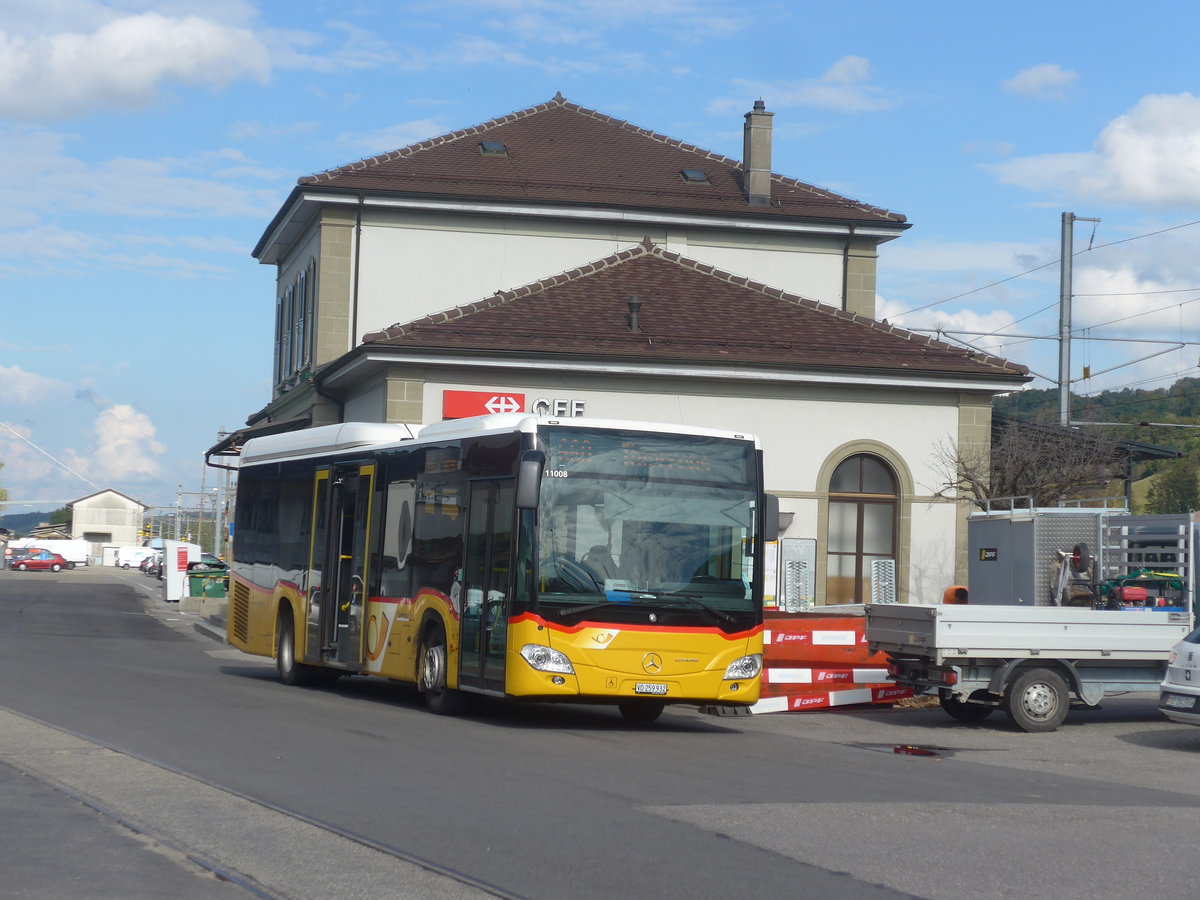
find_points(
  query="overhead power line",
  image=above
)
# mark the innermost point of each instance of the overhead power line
(1047, 265)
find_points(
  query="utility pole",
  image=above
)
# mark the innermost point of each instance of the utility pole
(1064, 316)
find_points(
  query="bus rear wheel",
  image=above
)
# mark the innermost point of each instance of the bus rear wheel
(290, 671)
(640, 712)
(439, 698)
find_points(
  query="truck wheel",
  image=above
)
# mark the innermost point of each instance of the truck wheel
(962, 710)
(1037, 700)
(1081, 558)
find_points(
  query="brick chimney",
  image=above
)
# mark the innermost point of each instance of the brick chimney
(756, 155)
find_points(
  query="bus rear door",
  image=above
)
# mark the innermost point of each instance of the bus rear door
(338, 565)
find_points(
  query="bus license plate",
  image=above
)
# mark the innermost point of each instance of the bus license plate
(646, 687)
(1178, 701)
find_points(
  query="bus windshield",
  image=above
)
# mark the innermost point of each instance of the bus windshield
(634, 520)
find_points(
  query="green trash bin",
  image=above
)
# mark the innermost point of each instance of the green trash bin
(216, 585)
(211, 585)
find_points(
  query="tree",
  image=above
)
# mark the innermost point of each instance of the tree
(1047, 463)
(61, 516)
(1176, 488)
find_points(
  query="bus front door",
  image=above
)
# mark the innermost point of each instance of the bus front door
(339, 564)
(487, 580)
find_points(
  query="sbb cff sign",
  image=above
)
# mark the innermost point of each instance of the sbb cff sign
(461, 404)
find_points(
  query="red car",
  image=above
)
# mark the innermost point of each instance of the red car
(40, 559)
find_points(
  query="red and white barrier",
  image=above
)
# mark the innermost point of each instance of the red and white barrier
(821, 661)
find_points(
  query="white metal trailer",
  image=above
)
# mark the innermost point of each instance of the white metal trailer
(1031, 662)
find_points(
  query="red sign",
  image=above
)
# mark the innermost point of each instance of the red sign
(461, 404)
(181, 559)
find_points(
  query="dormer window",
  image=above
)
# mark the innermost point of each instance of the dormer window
(492, 148)
(694, 176)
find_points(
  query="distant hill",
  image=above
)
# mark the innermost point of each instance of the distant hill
(1178, 404)
(19, 523)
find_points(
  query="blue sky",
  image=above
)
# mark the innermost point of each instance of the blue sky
(145, 145)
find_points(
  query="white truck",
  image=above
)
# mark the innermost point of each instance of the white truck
(131, 557)
(1096, 625)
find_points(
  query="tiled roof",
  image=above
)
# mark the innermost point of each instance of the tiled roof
(690, 312)
(562, 153)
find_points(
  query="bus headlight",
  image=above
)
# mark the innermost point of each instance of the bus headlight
(547, 659)
(744, 667)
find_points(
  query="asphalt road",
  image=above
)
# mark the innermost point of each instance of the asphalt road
(161, 763)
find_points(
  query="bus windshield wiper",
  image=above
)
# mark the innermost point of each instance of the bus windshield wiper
(592, 607)
(654, 599)
(694, 599)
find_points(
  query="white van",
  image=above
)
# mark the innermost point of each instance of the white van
(131, 557)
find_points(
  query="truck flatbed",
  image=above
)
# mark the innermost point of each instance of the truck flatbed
(947, 632)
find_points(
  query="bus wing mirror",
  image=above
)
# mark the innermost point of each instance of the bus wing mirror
(529, 478)
(770, 517)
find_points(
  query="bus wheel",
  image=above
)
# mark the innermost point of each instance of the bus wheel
(290, 671)
(641, 712)
(440, 699)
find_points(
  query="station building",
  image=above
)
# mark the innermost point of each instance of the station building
(560, 261)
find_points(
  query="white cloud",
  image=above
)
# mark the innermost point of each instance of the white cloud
(243, 131)
(370, 143)
(125, 447)
(1045, 81)
(125, 63)
(982, 256)
(54, 181)
(580, 21)
(1148, 157)
(990, 148)
(844, 87)
(28, 388)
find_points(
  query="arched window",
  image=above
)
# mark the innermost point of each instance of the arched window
(863, 506)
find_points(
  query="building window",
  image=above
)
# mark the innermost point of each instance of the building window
(863, 506)
(310, 312)
(298, 323)
(289, 314)
(279, 340)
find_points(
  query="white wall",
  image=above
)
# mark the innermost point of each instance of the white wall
(411, 267)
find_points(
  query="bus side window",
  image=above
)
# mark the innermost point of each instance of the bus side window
(396, 558)
(439, 526)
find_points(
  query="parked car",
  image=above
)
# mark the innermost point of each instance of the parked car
(207, 561)
(1179, 699)
(41, 559)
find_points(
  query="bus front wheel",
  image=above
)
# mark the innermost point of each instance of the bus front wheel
(641, 712)
(441, 699)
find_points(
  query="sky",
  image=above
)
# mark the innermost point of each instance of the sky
(144, 147)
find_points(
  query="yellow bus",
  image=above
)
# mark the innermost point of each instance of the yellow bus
(508, 555)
